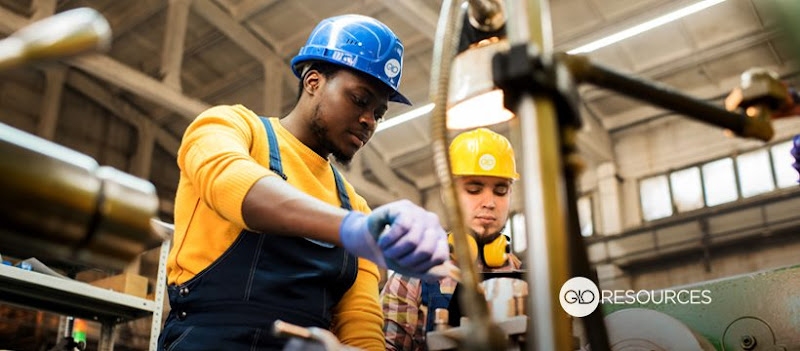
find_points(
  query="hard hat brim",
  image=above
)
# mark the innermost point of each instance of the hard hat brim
(299, 60)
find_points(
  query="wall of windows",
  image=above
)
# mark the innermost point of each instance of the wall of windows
(515, 227)
(718, 182)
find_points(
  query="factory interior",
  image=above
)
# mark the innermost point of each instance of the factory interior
(638, 189)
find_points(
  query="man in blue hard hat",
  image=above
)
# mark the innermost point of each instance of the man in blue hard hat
(267, 229)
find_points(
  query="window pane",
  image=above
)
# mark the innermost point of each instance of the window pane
(719, 182)
(687, 190)
(585, 215)
(520, 241)
(755, 177)
(654, 194)
(782, 160)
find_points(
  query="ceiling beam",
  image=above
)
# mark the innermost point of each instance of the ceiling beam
(142, 160)
(116, 73)
(273, 87)
(42, 9)
(593, 140)
(427, 182)
(251, 44)
(128, 15)
(414, 155)
(51, 101)
(416, 13)
(233, 30)
(209, 91)
(367, 8)
(10, 22)
(386, 175)
(249, 8)
(174, 38)
(373, 193)
(123, 109)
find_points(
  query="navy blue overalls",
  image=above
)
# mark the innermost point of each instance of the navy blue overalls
(231, 304)
(433, 297)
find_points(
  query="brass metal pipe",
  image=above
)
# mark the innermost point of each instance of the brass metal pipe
(483, 335)
(61, 204)
(65, 34)
(548, 254)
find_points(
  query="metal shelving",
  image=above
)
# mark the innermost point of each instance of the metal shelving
(81, 300)
(69, 297)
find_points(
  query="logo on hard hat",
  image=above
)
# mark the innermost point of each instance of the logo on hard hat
(392, 68)
(487, 162)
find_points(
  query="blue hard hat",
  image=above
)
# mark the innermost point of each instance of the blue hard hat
(359, 42)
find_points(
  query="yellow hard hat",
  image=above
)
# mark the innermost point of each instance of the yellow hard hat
(482, 152)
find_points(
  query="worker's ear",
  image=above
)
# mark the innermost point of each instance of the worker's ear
(312, 81)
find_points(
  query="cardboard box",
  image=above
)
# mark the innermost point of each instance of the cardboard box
(126, 283)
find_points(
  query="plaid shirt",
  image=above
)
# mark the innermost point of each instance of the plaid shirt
(405, 317)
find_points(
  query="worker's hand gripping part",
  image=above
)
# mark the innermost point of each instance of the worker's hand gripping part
(796, 153)
(413, 243)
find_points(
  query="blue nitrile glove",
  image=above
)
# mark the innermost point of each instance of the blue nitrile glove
(796, 153)
(413, 244)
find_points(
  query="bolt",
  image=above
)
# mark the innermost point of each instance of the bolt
(748, 342)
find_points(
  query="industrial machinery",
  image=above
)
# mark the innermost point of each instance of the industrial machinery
(754, 311)
(62, 206)
(539, 87)
(58, 203)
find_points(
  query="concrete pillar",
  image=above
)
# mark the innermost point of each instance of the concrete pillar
(608, 194)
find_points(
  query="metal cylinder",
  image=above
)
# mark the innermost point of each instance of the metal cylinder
(666, 97)
(441, 319)
(58, 203)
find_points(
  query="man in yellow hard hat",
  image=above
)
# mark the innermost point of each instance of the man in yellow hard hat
(483, 163)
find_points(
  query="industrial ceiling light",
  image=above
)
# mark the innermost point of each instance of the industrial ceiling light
(405, 117)
(643, 27)
(474, 101)
(464, 108)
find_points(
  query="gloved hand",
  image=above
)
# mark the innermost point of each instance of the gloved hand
(796, 153)
(413, 244)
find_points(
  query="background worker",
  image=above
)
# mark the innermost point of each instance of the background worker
(483, 162)
(267, 229)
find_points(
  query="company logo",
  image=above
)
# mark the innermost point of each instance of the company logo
(392, 68)
(487, 162)
(579, 297)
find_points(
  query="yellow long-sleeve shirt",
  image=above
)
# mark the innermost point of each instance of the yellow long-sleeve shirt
(223, 153)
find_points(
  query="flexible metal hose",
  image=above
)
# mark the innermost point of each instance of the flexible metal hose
(483, 334)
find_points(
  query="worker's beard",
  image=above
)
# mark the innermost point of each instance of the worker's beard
(483, 237)
(320, 130)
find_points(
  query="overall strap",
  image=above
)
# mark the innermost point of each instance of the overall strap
(341, 190)
(275, 164)
(433, 298)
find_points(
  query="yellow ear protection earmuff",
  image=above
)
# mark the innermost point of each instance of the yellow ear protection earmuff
(496, 252)
(493, 254)
(473, 247)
